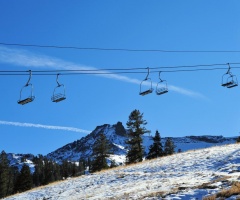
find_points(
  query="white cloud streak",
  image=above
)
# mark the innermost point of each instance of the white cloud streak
(28, 59)
(30, 125)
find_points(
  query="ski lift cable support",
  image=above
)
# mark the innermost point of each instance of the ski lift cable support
(161, 87)
(30, 98)
(228, 79)
(146, 81)
(58, 92)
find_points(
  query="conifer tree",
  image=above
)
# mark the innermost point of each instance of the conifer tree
(24, 180)
(169, 147)
(48, 171)
(136, 129)
(101, 150)
(4, 175)
(39, 173)
(81, 166)
(156, 149)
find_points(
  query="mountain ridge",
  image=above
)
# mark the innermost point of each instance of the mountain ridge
(117, 135)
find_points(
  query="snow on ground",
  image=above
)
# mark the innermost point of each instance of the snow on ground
(177, 177)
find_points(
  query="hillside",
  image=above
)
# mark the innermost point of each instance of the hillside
(187, 175)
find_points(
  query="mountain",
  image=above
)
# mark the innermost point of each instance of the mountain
(18, 160)
(212, 173)
(117, 135)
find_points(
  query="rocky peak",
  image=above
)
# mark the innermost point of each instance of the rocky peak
(119, 129)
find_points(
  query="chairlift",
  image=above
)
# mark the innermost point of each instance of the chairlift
(59, 92)
(228, 79)
(147, 81)
(27, 86)
(161, 87)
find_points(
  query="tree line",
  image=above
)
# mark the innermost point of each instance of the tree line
(14, 179)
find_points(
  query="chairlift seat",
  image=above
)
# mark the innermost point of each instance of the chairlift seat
(146, 92)
(58, 97)
(160, 91)
(230, 84)
(27, 100)
(233, 84)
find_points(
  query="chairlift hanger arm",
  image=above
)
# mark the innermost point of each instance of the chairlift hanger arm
(30, 76)
(147, 74)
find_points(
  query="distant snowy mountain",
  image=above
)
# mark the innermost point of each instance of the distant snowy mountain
(18, 160)
(116, 134)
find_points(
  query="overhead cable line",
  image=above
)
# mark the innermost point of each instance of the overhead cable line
(190, 68)
(102, 73)
(118, 49)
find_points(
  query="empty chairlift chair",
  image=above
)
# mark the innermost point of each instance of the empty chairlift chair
(144, 86)
(26, 93)
(59, 92)
(228, 79)
(161, 87)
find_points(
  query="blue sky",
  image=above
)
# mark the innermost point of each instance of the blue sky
(196, 103)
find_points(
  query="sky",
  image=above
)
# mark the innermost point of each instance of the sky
(196, 103)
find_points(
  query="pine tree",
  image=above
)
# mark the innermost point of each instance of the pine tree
(39, 173)
(24, 180)
(48, 171)
(238, 140)
(156, 149)
(101, 150)
(136, 129)
(169, 147)
(4, 175)
(81, 166)
(66, 170)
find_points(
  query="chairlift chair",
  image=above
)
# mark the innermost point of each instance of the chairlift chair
(59, 92)
(146, 81)
(161, 87)
(229, 80)
(29, 98)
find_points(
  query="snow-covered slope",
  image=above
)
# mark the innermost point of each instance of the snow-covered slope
(18, 160)
(187, 175)
(116, 134)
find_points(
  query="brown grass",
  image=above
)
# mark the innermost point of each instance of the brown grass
(233, 190)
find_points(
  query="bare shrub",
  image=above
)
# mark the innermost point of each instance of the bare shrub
(212, 197)
(234, 190)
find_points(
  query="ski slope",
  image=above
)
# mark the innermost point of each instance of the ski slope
(179, 176)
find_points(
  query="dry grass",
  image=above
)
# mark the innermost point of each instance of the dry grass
(234, 190)
(226, 193)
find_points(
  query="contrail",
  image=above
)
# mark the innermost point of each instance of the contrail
(28, 59)
(64, 128)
